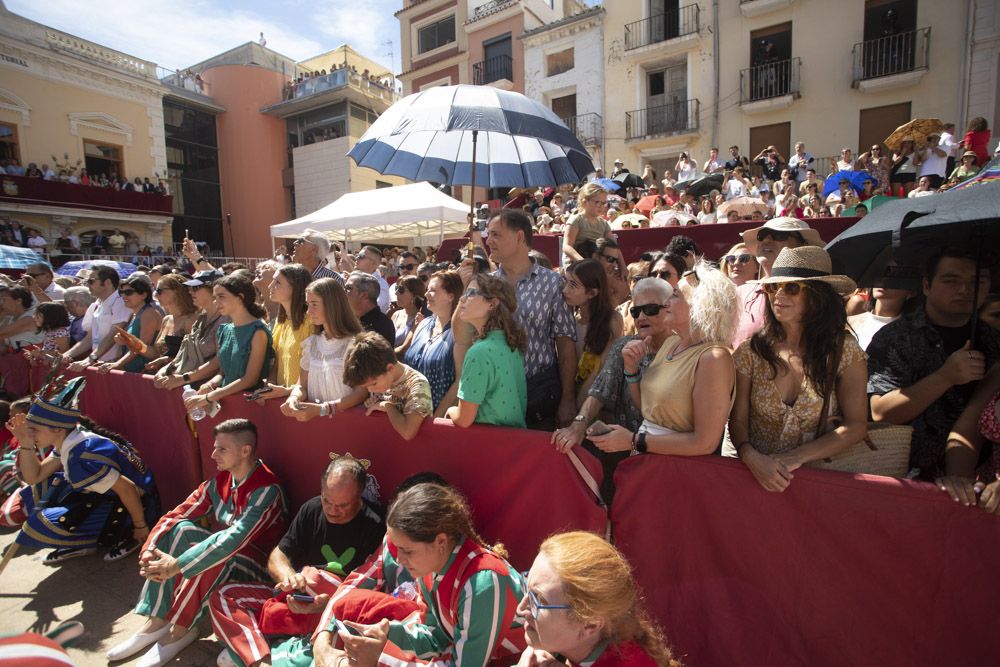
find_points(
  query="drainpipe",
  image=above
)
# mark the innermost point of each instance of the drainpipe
(715, 71)
(966, 67)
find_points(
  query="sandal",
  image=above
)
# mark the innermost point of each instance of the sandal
(57, 556)
(121, 550)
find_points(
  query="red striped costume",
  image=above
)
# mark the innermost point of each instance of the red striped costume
(252, 516)
(470, 617)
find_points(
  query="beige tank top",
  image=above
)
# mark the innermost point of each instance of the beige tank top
(668, 386)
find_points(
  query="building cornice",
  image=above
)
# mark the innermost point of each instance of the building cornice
(567, 27)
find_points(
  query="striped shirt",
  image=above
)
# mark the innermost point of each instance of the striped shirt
(323, 271)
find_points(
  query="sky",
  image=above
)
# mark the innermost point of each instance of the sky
(177, 34)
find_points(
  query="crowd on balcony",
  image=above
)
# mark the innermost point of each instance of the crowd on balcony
(77, 175)
(301, 83)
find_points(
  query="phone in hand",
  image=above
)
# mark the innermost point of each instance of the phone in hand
(303, 597)
(598, 428)
(346, 628)
(256, 393)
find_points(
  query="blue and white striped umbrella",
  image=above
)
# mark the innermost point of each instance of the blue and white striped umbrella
(124, 269)
(427, 136)
(13, 257)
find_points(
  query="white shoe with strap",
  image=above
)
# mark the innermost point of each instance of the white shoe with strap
(161, 654)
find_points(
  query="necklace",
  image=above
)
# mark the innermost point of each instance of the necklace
(678, 349)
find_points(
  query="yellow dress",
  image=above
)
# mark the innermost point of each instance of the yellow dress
(287, 344)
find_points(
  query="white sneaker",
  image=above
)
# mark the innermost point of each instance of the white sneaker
(136, 643)
(225, 660)
(162, 653)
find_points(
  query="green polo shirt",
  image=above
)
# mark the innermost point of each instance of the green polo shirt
(493, 378)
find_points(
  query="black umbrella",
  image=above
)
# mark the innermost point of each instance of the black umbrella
(629, 180)
(700, 186)
(907, 231)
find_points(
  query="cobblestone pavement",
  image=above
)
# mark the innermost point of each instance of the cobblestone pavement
(98, 594)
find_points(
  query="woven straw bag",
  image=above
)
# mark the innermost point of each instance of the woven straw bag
(884, 451)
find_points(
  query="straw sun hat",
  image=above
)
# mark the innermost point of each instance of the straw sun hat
(807, 263)
(782, 224)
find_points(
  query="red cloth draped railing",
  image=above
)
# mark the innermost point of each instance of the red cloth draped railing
(57, 193)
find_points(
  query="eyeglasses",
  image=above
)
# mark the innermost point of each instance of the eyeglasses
(472, 292)
(161, 290)
(360, 256)
(778, 235)
(399, 289)
(648, 309)
(298, 242)
(738, 259)
(599, 202)
(534, 606)
(665, 274)
(126, 292)
(610, 259)
(790, 288)
(408, 267)
(91, 281)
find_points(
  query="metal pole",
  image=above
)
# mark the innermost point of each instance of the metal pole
(232, 243)
(472, 198)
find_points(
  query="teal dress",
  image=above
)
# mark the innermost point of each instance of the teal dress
(135, 328)
(234, 351)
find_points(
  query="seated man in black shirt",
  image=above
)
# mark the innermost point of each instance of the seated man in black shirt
(771, 162)
(922, 368)
(331, 535)
(362, 293)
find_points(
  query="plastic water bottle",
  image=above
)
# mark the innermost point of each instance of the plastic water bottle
(197, 414)
(407, 591)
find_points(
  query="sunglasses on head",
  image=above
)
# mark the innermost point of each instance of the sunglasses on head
(790, 288)
(743, 258)
(648, 309)
(778, 235)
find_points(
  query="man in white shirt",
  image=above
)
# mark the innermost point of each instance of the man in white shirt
(950, 146)
(40, 280)
(923, 188)
(117, 242)
(713, 164)
(36, 242)
(100, 320)
(810, 178)
(799, 162)
(933, 161)
(47, 173)
(736, 184)
(368, 260)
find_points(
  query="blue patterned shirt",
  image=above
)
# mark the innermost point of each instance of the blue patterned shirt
(543, 314)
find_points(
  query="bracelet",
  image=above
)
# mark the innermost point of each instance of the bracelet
(201, 258)
(323, 410)
(630, 375)
(632, 379)
(333, 408)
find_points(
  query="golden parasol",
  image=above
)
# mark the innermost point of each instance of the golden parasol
(917, 129)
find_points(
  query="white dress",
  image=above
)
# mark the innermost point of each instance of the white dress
(323, 359)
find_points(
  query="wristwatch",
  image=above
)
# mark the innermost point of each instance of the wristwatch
(186, 377)
(640, 443)
(201, 258)
(580, 418)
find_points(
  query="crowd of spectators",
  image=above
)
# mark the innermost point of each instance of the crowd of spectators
(77, 175)
(305, 83)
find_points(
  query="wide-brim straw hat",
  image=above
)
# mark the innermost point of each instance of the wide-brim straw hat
(782, 224)
(807, 263)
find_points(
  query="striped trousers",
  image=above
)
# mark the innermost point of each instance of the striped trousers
(181, 600)
(235, 610)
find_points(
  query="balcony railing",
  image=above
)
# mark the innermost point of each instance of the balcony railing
(660, 28)
(893, 54)
(675, 118)
(769, 80)
(338, 79)
(588, 128)
(488, 8)
(36, 191)
(493, 69)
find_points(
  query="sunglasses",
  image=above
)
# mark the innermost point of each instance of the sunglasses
(161, 290)
(91, 281)
(399, 289)
(738, 259)
(126, 292)
(790, 288)
(648, 309)
(407, 267)
(35, 275)
(778, 235)
(662, 275)
(610, 259)
(425, 278)
(472, 292)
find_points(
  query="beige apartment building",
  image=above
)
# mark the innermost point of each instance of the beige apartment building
(686, 76)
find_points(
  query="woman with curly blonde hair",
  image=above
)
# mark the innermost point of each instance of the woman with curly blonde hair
(582, 604)
(492, 388)
(682, 391)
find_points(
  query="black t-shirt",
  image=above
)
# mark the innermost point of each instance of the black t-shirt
(339, 548)
(953, 338)
(772, 170)
(377, 321)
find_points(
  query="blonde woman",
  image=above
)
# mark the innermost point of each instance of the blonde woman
(739, 264)
(582, 604)
(587, 224)
(682, 391)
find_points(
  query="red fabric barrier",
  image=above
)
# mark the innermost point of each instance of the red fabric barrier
(520, 489)
(712, 240)
(836, 570)
(154, 421)
(38, 191)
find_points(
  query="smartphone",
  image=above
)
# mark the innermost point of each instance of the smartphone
(598, 428)
(257, 393)
(303, 597)
(346, 628)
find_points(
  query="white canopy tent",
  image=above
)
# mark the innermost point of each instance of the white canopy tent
(411, 215)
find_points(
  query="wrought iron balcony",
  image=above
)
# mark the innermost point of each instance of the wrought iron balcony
(488, 8)
(770, 80)
(493, 69)
(892, 54)
(588, 128)
(678, 117)
(662, 27)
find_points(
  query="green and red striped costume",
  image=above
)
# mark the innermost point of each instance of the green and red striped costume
(252, 517)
